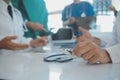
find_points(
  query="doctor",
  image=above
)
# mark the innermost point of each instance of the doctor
(76, 10)
(11, 24)
(89, 47)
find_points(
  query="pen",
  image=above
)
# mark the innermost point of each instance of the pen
(68, 51)
(77, 34)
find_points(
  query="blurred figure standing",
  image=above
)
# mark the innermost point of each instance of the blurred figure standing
(112, 8)
(76, 10)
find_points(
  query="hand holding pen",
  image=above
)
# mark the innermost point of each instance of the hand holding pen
(83, 34)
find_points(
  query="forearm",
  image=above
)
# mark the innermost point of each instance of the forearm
(29, 24)
(109, 60)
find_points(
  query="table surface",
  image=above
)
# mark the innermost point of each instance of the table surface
(30, 66)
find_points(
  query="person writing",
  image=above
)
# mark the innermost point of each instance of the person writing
(12, 25)
(89, 47)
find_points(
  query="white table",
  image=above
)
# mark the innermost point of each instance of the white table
(30, 66)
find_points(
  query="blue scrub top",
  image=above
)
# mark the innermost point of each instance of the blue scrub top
(75, 10)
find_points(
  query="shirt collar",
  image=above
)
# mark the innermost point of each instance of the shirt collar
(4, 5)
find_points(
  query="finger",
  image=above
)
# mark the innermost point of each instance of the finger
(82, 29)
(16, 46)
(9, 38)
(88, 47)
(94, 59)
(88, 55)
(42, 40)
(23, 46)
(86, 34)
(79, 49)
(76, 50)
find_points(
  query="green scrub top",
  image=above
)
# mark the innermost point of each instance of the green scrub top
(34, 11)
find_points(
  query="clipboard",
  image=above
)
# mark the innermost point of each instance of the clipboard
(84, 22)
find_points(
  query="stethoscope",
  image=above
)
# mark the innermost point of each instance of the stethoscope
(69, 11)
(61, 58)
(58, 58)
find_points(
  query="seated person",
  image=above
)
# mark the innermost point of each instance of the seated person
(12, 25)
(89, 47)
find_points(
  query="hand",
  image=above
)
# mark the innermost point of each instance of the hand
(72, 20)
(41, 41)
(35, 26)
(6, 43)
(87, 36)
(89, 51)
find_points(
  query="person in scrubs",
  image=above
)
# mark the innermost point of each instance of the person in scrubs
(72, 12)
(34, 11)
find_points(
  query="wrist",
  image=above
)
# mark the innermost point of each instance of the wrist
(32, 43)
(109, 60)
(65, 23)
(28, 23)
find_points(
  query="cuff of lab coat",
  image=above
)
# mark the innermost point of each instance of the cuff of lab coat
(114, 53)
(28, 42)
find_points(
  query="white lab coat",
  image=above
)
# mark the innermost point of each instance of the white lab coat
(11, 27)
(113, 47)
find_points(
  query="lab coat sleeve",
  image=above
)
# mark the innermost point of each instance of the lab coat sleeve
(104, 37)
(114, 53)
(26, 40)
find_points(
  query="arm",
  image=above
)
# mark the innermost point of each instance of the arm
(41, 41)
(6, 43)
(35, 26)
